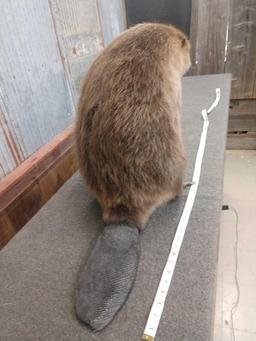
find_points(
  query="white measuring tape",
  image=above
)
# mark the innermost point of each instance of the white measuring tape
(165, 281)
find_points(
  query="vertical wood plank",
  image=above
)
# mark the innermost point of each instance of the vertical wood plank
(237, 46)
(209, 32)
(218, 35)
(249, 77)
(223, 40)
(199, 31)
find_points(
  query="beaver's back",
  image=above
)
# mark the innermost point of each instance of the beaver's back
(128, 133)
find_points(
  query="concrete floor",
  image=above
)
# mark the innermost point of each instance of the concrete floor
(240, 192)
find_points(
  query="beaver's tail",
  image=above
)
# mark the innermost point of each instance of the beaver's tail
(109, 275)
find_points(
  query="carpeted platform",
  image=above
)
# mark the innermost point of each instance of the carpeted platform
(40, 265)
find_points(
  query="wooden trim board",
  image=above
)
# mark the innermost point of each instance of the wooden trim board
(242, 124)
(24, 191)
(245, 140)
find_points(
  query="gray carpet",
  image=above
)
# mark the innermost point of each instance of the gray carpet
(40, 265)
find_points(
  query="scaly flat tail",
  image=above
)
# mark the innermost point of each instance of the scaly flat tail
(109, 275)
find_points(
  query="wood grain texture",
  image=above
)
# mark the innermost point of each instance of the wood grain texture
(7, 230)
(223, 37)
(23, 176)
(31, 185)
(242, 122)
(241, 141)
(209, 27)
(243, 49)
(242, 115)
(199, 32)
(218, 35)
(243, 106)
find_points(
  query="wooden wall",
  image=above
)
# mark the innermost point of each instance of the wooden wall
(46, 47)
(223, 35)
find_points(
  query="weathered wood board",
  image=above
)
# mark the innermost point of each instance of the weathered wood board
(223, 36)
(241, 141)
(25, 190)
(242, 116)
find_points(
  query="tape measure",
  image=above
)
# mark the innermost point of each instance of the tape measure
(166, 278)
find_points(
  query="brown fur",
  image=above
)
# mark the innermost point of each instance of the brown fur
(128, 126)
